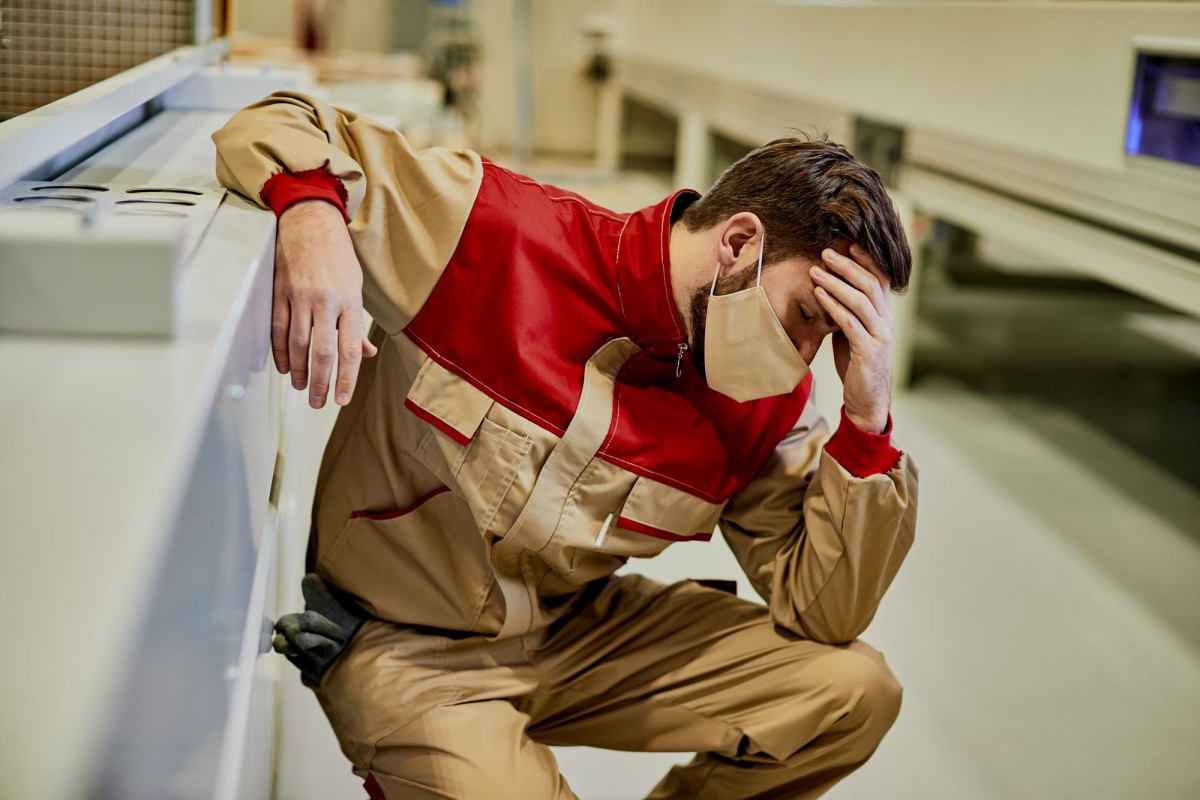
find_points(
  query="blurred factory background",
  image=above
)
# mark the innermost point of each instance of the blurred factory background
(1046, 158)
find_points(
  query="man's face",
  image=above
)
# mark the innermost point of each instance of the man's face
(789, 288)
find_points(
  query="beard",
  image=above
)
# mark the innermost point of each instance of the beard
(698, 308)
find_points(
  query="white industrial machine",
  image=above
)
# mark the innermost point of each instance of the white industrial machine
(144, 481)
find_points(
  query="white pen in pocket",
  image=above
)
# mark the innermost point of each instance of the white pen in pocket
(604, 530)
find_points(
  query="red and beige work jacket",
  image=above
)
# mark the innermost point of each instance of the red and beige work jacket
(530, 423)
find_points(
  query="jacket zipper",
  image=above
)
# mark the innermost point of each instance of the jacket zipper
(683, 346)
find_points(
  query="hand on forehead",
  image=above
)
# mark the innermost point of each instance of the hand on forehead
(856, 260)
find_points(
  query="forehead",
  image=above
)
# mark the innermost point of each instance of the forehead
(795, 270)
(790, 271)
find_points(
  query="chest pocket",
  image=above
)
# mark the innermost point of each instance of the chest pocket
(476, 457)
(664, 512)
(615, 513)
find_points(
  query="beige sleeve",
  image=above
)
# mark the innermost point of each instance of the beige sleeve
(820, 545)
(407, 208)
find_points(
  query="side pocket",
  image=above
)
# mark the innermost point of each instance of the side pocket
(423, 564)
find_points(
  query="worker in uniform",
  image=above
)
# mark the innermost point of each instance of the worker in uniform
(552, 390)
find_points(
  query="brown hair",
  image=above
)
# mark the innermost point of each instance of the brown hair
(809, 194)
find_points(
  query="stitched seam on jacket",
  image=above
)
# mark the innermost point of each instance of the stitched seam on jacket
(617, 270)
(481, 598)
(426, 452)
(520, 451)
(589, 209)
(479, 484)
(662, 257)
(612, 434)
(558, 198)
(674, 483)
(460, 458)
(568, 503)
(327, 560)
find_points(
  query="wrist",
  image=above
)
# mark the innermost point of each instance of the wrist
(862, 453)
(284, 190)
(874, 423)
(310, 211)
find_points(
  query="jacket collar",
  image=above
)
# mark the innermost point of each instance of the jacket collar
(643, 273)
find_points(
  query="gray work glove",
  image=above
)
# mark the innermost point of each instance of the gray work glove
(314, 638)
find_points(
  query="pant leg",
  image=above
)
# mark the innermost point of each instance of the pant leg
(467, 751)
(422, 715)
(657, 668)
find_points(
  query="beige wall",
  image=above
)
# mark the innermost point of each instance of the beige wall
(271, 19)
(353, 24)
(564, 104)
(1048, 77)
(495, 75)
(364, 25)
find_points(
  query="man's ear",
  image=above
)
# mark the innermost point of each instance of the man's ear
(739, 230)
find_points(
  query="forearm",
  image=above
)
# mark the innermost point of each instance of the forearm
(288, 133)
(829, 579)
(823, 528)
(406, 209)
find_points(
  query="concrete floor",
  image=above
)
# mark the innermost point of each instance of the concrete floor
(1046, 625)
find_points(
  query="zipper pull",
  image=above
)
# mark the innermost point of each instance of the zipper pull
(683, 346)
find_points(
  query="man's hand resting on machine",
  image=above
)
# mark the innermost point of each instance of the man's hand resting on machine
(318, 302)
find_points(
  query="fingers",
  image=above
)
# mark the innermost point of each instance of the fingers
(292, 626)
(859, 254)
(316, 646)
(851, 300)
(861, 277)
(350, 347)
(281, 315)
(324, 351)
(312, 622)
(281, 645)
(849, 323)
(299, 334)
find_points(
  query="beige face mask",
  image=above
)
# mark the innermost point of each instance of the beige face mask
(747, 354)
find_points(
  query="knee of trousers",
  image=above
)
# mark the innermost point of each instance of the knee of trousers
(861, 683)
(846, 697)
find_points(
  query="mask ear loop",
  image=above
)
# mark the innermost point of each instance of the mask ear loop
(762, 245)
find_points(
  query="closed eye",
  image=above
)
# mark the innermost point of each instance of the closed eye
(825, 318)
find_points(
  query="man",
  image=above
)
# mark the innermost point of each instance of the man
(557, 389)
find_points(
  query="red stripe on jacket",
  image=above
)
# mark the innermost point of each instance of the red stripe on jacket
(659, 533)
(408, 509)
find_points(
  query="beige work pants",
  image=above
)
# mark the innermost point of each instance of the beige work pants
(642, 667)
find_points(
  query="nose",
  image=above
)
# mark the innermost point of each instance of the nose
(810, 340)
(809, 346)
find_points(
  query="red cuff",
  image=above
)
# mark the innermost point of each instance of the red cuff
(862, 453)
(286, 188)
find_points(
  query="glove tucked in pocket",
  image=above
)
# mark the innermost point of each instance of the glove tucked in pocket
(313, 639)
